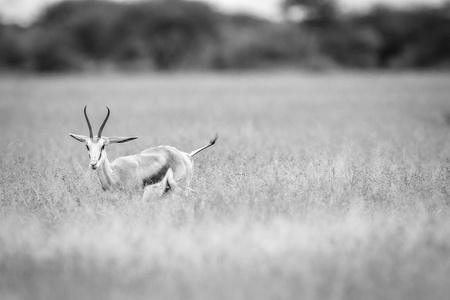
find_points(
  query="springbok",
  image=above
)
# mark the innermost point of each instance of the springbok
(163, 166)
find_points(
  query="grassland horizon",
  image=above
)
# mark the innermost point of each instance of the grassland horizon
(321, 186)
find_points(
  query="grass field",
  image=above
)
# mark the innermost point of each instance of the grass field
(321, 186)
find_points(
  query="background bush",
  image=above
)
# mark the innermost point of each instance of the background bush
(174, 34)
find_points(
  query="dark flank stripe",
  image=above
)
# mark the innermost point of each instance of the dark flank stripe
(156, 177)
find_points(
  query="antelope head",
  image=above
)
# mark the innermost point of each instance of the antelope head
(96, 144)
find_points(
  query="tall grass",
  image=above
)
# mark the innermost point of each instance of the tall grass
(321, 186)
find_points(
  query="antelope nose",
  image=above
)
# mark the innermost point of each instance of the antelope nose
(93, 164)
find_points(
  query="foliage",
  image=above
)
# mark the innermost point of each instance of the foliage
(316, 13)
(177, 34)
(415, 37)
(97, 32)
(382, 37)
(11, 51)
(51, 51)
(87, 23)
(170, 31)
(249, 42)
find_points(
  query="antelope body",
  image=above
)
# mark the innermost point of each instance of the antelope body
(162, 166)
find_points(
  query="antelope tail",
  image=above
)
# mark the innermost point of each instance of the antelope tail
(211, 142)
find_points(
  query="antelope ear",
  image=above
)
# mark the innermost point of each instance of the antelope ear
(78, 137)
(118, 139)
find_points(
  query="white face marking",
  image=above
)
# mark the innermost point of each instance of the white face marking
(96, 148)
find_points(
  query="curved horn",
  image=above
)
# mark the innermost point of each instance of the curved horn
(103, 124)
(91, 135)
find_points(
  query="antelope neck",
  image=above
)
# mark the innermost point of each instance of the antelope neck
(105, 173)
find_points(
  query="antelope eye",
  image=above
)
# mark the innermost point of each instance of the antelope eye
(87, 147)
(103, 147)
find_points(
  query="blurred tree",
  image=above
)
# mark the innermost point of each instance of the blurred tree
(171, 30)
(433, 37)
(352, 46)
(314, 13)
(88, 23)
(12, 53)
(168, 34)
(417, 37)
(334, 33)
(251, 42)
(382, 37)
(50, 50)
